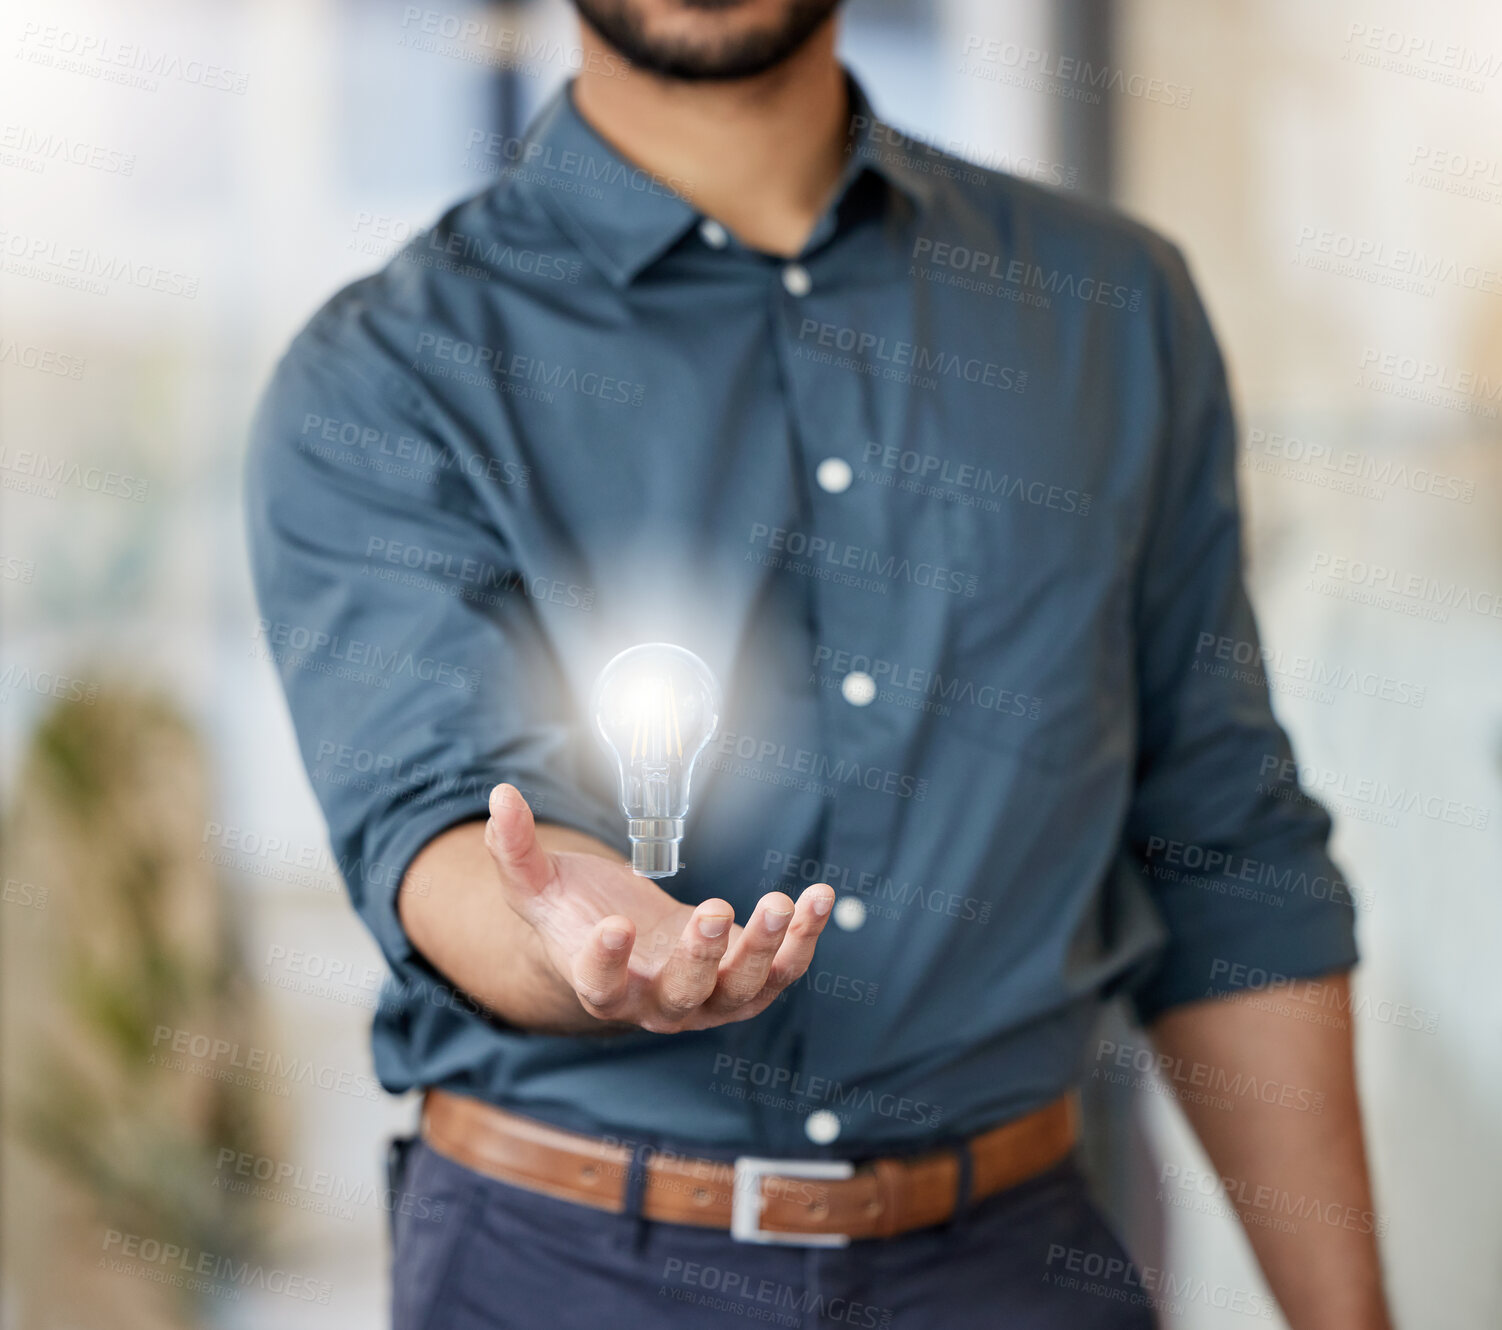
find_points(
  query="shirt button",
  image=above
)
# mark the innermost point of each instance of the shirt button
(796, 281)
(849, 913)
(859, 688)
(821, 1126)
(834, 475)
(713, 234)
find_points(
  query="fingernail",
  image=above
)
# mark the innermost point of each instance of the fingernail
(713, 925)
(822, 904)
(777, 919)
(615, 938)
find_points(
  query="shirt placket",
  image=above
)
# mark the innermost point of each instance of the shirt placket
(830, 413)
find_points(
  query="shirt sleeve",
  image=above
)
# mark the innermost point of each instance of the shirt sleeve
(1233, 851)
(414, 663)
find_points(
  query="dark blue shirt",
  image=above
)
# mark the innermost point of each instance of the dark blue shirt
(948, 505)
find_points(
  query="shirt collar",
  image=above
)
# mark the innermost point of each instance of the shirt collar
(624, 218)
(891, 154)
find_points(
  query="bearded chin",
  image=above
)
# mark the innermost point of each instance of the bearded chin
(739, 55)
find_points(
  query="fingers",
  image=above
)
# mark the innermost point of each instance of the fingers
(689, 975)
(797, 949)
(744, 969)
(714, 973)
(511, 837)
(601, 974)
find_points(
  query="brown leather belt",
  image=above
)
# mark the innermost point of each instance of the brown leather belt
(806, 1202)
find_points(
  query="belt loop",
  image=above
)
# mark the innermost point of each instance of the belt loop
(398, 1157)
(636, 1181)
(635, 1194)
(964, 1181)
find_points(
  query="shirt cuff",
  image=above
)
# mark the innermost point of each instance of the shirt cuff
(1270, 936)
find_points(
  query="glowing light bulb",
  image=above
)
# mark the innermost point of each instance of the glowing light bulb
(656, 707)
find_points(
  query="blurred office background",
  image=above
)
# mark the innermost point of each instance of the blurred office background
(174, 946)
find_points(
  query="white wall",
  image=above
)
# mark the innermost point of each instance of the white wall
(1288, 135)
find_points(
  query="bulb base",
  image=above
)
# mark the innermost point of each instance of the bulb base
(654, 845)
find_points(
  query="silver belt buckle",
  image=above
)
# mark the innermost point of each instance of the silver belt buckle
(746, 1199)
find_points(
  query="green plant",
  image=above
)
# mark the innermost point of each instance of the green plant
(110, 811)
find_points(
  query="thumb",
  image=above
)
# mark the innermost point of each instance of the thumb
(511, 837)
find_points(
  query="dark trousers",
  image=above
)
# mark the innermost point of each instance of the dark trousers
(471, 1253)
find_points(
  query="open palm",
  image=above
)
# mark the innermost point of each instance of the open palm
(633, 953)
